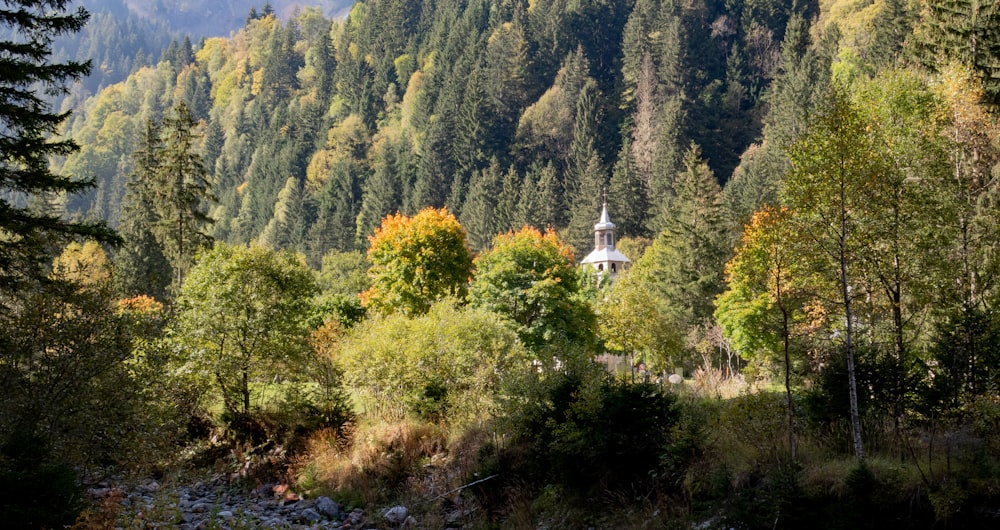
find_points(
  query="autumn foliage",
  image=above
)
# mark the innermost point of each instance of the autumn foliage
(417, 261)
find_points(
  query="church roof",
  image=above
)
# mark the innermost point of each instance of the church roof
(605, 255)
(605, 222)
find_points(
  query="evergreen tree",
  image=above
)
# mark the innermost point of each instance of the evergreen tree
(182, 191)
(684, 265)
(478, 212)
(666, 162)
(286, 228)
(967, 31)
(380, 197)
(540, 198)
(892, 24)
(140, 265)
(505, 214)
(627, 196)
(29, 124)
(586, 206)
(336, 213)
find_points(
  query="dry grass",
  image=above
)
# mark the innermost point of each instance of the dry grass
(412, 462)
(713, 383)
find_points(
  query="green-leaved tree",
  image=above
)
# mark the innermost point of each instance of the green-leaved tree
(241, 320)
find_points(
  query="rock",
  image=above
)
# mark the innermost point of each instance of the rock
(225, 514)
(311, 516)
(327, 507)
(265, 490)
(410, 522)
(149, 486)
(675, 379)
(396, 515)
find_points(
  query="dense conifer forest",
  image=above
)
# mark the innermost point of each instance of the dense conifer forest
(335, 253)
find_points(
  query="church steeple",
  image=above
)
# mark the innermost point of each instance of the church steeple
(604, 231)
(605, 258)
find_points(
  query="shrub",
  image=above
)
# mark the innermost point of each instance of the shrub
(585, 430)
(449, 363)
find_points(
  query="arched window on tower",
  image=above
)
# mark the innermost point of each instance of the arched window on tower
(613, 268)
(609, 239)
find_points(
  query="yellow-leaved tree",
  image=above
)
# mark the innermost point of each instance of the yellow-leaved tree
(416, 261)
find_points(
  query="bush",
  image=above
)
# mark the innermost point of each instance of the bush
(449, 363)
(591, 434)
(36, 491)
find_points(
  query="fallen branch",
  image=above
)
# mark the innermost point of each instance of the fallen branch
(460, 488)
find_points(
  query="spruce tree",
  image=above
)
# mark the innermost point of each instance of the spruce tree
(628, 199)
(586, 206)
(967, 31)
(540, 198)
(140, 265)
(478, 212)
(29, 123)
(684, 265)
(182, 191)
(505, 214)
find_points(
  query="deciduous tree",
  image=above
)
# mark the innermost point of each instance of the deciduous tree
(530, 278)
(242, 319)
(833, 166)
(417, 261)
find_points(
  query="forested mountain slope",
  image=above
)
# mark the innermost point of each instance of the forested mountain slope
(219, 17)
(509, 113)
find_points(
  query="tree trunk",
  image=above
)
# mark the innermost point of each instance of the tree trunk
(785, 332)
(845, 289)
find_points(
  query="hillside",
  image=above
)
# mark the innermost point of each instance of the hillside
(405, 105)
(220, 17)
(346, 274)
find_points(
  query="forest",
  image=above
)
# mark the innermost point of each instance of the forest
(342, 255)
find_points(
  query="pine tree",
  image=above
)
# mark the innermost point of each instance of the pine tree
(684, 265)
(380, 197)
(28, 123)
(892, 24)
(627, 196)
(505, 214)
(586, 206)
(286, 227)
(540, 204)
(967, 31)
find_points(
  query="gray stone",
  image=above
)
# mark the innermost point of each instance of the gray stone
(327, 507)
(311, 515)
(225, 514)
(396, 515)
(675, 379)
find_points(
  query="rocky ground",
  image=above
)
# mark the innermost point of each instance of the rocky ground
(213, 503)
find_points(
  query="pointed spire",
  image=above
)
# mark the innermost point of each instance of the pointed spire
(605, 222)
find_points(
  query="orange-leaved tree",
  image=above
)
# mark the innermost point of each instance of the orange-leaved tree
(417, 261)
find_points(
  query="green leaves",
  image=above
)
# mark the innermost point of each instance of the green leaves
(531, 279)
(448, 362)
(241, 318)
